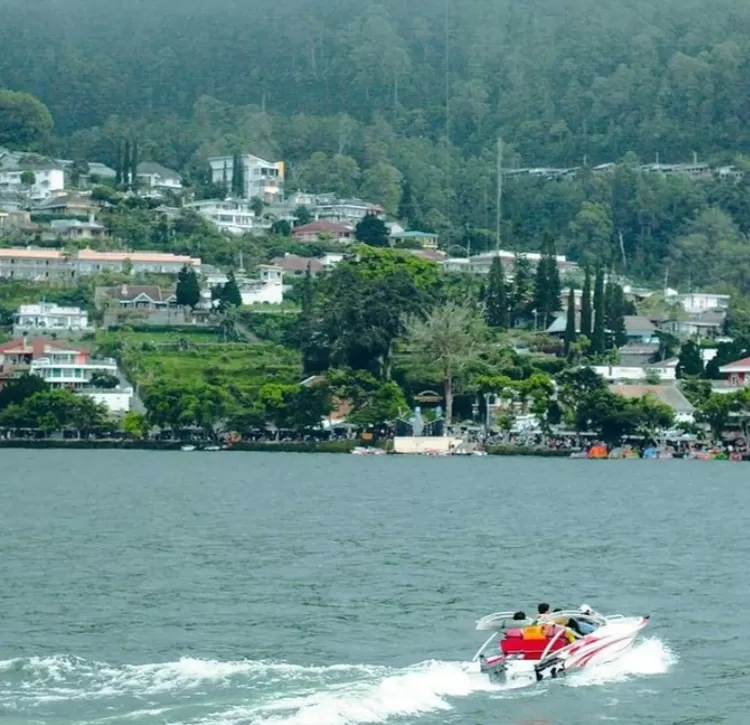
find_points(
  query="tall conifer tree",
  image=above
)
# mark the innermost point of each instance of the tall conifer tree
(496, 300)
(571, 334)
(586, 304)
(598, 341)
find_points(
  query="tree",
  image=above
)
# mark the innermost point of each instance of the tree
(373, 401)
(135, 425)
(230, 292)
(496, 298)
(651, 415)
(18, 389)
(614, 316)
(382, 183)
(547, 287)
(372, 230)
(598, 335)
(188, 290)
(522, 288)
(126, 169)
(570, 323)
(307, 322)
(281, 228)
(104, 380)
(28, 178)
(448, 338)
(715, 412)
(238, 176)
(302, 215)
(25, 122)
(134, 165)
(257, 205)
(690, 362)
(586, 328)
(78, 169)
(308, 406)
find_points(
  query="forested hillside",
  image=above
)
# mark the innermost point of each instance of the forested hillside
(402, 102)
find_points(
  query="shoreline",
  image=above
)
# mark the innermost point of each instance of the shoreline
(250, 446)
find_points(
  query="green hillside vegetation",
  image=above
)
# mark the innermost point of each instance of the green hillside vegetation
(402, 103)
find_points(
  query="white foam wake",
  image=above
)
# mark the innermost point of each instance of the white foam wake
(421, 688)
(255, 692)
(648, 657)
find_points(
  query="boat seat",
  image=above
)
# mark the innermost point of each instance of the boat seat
(532, 648)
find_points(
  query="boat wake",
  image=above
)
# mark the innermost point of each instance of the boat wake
(251, 692)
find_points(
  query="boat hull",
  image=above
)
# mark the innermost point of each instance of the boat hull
(606, 644)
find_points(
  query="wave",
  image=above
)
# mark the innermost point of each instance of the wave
(648, 657)
(258, 692)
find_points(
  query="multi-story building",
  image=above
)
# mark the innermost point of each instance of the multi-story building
(235, 217)
(55, 264)
(261, 179)
(45, 177)
(61, 365)
(697, 302)
(346, 211)
(49, 317)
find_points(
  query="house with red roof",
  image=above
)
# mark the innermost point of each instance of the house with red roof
(60, 364)
(313, 232)
(738, 373)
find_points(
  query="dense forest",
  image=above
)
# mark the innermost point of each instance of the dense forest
(402, 102)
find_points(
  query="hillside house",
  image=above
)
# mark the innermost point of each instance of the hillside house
(261, 179)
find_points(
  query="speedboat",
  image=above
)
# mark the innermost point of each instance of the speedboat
(549, 647)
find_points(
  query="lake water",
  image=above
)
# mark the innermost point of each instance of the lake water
(267, 589)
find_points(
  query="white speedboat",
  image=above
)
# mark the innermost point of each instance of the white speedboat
(187, 448)
(553, 644)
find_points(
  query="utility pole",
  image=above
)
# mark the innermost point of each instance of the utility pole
(499, 209)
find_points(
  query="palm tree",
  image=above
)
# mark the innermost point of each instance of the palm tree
(450, 337)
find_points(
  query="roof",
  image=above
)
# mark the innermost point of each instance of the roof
(738, 366)
(668, 394)
(296, 263)
(89, 255)
(560, 323)
(638, 324)
(149, 168)
(30, 254)
(37, 347)
(414, 235)
(64, 200)
(128, 292)
(432, 255)
(322, 226)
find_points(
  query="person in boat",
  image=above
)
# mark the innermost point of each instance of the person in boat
(583, 625)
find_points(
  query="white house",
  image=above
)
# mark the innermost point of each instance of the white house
(346, 211)
(49, 317)
(48, 178)
(117, 400)
(262, 179)
(158, 177)
(696, 302)
(235, 217)
(666, 371)
(268, 288)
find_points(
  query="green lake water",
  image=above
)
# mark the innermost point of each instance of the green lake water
(290, 589)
